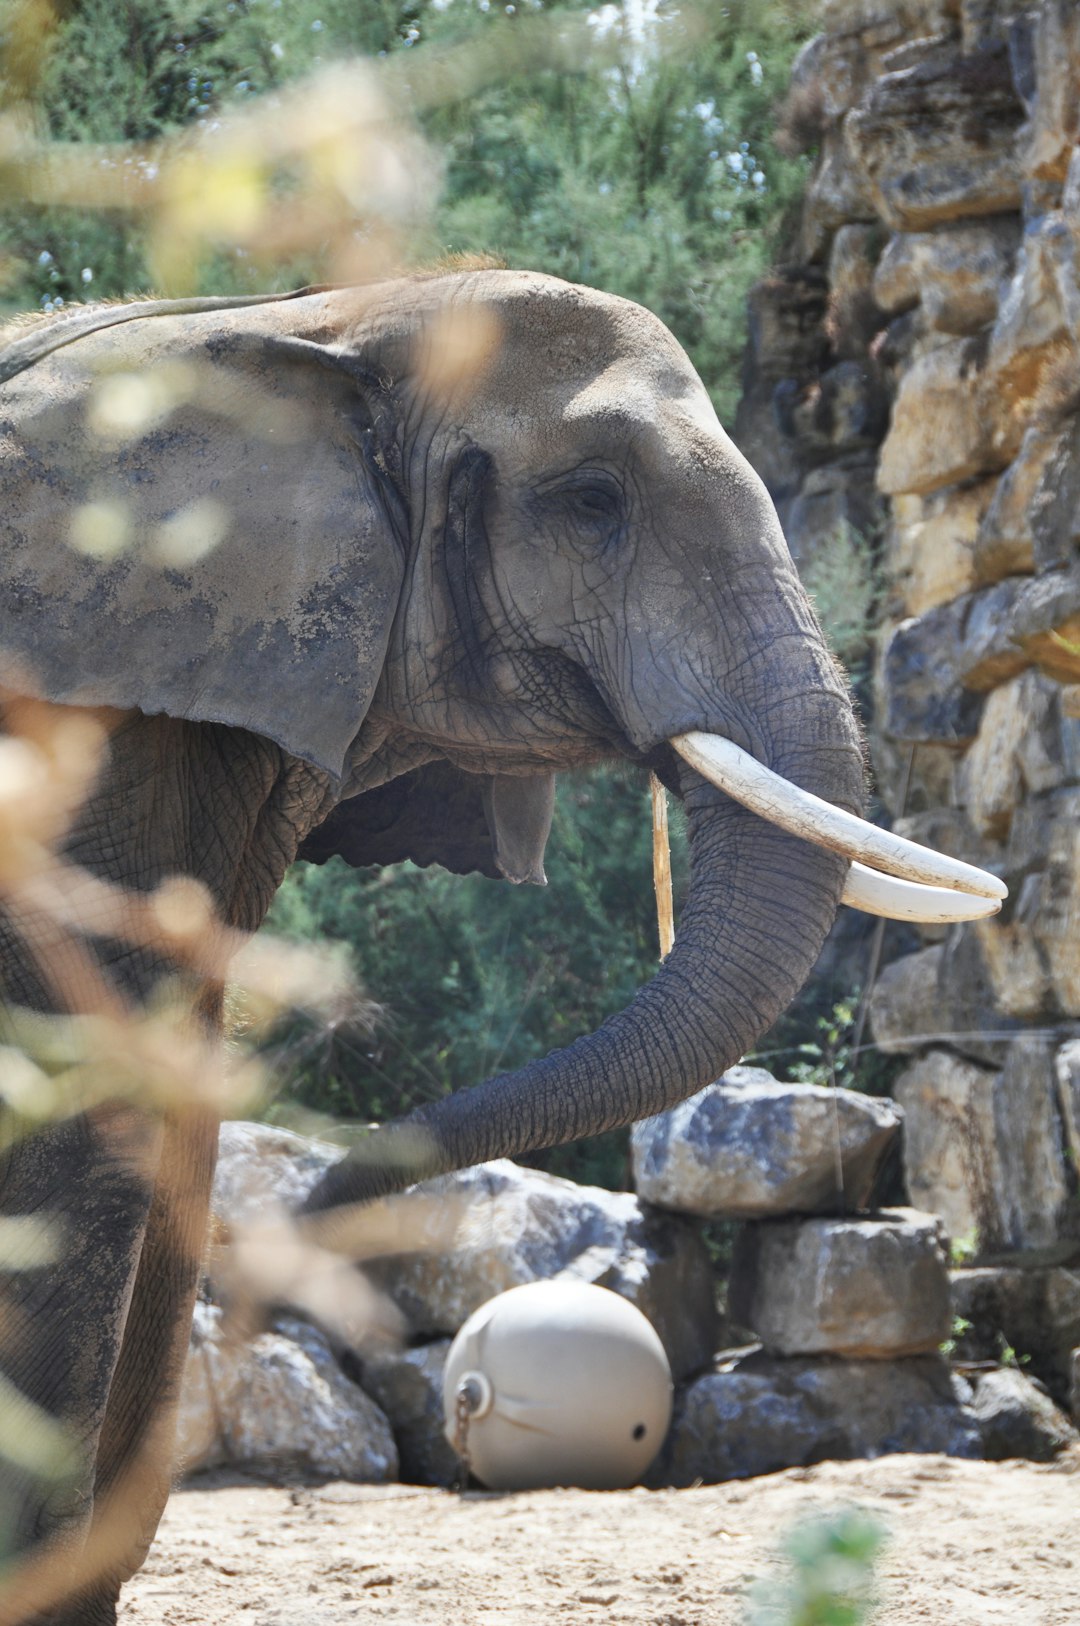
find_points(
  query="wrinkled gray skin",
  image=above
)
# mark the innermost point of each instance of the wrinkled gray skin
(428, 597)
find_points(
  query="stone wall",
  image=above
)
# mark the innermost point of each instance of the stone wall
(913, 381)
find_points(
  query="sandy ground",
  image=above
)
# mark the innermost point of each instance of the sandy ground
(970, 1544)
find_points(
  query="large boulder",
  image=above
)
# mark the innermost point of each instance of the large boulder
(748, 1146)
(407, 1385)
(278, 1401)
(930, 546)
(1018, 1419)
(1054, 126)
(954, 273)
(517, 1225)
(874, 1287)
(756, 1414)
(985, 1148)
(935, 141)
(1029, 1308)
(940, 433)
(433, 1254)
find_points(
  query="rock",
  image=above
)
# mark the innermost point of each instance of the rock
(407, 1386)
(1034, 328)
(1016, 753)
(1067, 1070)
(785, 323)
(876, 1286)
(438, 1251)
(261, 1166)
(985, 1149)
(950, 1154)
(518, 1226)
(280, 1400)
(954, 272)
(1033, 1199)
(935, 141)
(211, 1377)
(1054, 127)
(836, 196)
(1004, 545)
(934, 665)
(1017, 1419)
(748, 1146)
(940, 432)
(931, 545)
(1054, 513)
(907, 1007)
(840, 496)
(757, 1414)
(1074, 1386)
(923, 699)
(854, 318)
(1031, 1310)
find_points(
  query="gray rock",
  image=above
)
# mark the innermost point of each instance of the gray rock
(1067, 1070)
(935, 666)
(757, 1414)
(407, 1385)
(435, 1253)
(871, 1287)
(1074, 1385)
(279, 1401)
(748, 1146)
(1031, 1309)
(517, 1225)
(908, 1008)
(955, 272)
(1017, 1419)
(1033, 1198)
(985, 1149)
(1055, 122)
(935, 141)
(950, 1151)
(261, 1166)
(840, 496)
(940, 433)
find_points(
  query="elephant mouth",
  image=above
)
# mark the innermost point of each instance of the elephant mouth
(889, 875)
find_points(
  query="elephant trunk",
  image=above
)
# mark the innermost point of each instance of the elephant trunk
(759, 905)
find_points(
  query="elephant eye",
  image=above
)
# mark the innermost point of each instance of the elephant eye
(587, 498)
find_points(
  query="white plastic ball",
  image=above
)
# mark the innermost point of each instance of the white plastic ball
(566, 1384)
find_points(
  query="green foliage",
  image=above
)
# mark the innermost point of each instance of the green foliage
(473, 976)
(649, 173)
(815, 1045)
(832, 1571)
(844, 582)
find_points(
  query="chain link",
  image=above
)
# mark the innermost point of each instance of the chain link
(464, 1401)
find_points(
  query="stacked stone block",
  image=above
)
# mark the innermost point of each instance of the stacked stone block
(939, 258)
(849, 1305)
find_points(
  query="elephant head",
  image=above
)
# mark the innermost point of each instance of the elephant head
(437, 584)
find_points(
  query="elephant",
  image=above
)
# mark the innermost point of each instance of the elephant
(341, 596)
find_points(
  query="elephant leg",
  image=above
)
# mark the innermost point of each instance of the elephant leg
(135, 1449)
(61, 1331)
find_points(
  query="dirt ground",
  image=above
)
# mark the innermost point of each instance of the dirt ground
(970, 1544)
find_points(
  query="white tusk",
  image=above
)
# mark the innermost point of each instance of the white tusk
(803, 814)
(878, 894)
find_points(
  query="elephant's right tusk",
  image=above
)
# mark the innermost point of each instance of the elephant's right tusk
(739, 774)
(878, 894)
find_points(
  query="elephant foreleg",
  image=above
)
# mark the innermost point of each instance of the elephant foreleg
(61, 1330)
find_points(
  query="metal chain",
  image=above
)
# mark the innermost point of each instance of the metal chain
(464, 1402)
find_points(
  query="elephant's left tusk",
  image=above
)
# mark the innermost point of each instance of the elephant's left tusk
(803, 814)
(878, 894)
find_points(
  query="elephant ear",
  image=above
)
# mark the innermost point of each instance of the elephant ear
(491, 824)
(203, 520)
